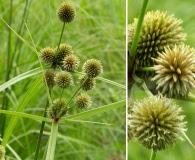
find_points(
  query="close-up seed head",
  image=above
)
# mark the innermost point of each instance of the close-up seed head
(156, 122)
(175, 71)
(66, 12)
(64, 50)
(48, 78)
(92, 68)
(71, 63)
(63, 79)
(55, 108)
(47, 55)
(158, 31)
(82, 101)
(89, 83)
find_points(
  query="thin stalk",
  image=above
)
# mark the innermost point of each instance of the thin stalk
(60, 39)
(7, 74)
(41, 132)
(76, 92)
(146, 69)
(52, 142)
(153, 155)
(133, 49)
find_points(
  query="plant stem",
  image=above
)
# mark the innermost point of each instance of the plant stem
(60, 40)
(7, 74)
(41, 133)
(52, 141)
(77, 91)
(133, 49)
(146, 69)
(153, 155)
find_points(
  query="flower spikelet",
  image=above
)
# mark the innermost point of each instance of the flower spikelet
(64, 50)
(55, 108)
(175, 71)
(156, 122)
(158, 31)
(66, 12)
(89, 83)
(47, 55)
(63, 79)
(71, 63)
(92, 68)
(48, 78)
(83, 100)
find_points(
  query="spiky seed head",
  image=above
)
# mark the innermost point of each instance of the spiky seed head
(82, 101)
(48, 78)
(55, 108)
(89, 83)
(47, 55)
(156, 122)
(92, 68)
(175, 71)
(63, 79)
(71, 63)
(66, 12)
(64, 50)
(158, 30)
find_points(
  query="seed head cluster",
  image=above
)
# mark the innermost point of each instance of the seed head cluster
(47, 55)
(71, 63)
(83, 100)
(63, 79)
(156, 122)
(158, 31)
(175, 71)
(86, 82)
(48, 78)
(66, 12)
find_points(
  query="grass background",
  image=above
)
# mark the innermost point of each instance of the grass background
(182, 10)
(97, 32)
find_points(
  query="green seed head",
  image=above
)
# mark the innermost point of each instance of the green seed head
(48, 78)
(71, 63)
(175, 71)
(89, 83)
(64, 50)
(66, 12)
(83, 100)
(63, 79)
(156, 122)
(92, 68)
(158, 31)
(55, 108)
(47, 55)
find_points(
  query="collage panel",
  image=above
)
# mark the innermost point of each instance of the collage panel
(63, 80)
(161, 80)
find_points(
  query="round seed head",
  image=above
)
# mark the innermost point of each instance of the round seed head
(55, 108)
(47, 55)
(83, 100)
(156, 122)
(158, 31)
(2, 152)
(92, 68)
(71, 63)
(63, 79)
(175, 71)
(66, 12)
(64, 50)
(48, 78)
(89, 82)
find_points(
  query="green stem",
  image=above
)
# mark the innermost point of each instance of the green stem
(77, 91)
(52, 141)
(60, 40)
(153, 155)
(7, 74)
(133, 49)
(146, 69)
(41, 132)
